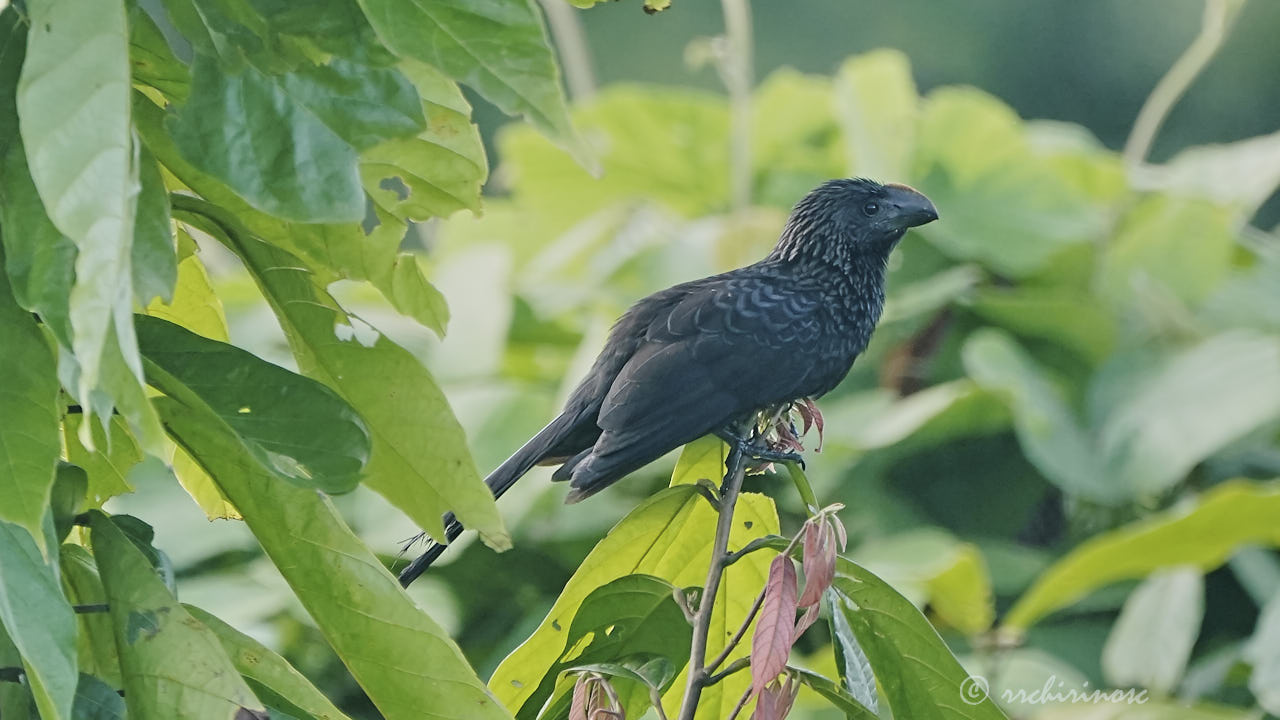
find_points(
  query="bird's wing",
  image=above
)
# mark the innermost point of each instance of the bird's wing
(724, 350)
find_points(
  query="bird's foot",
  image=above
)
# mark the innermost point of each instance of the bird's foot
(757, 453)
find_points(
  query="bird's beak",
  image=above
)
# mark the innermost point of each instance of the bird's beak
(913, 208)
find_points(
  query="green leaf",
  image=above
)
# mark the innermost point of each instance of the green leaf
(877, 105)
(1080, 324)
(202, 488)
(1203, 535)
(195, 306)
(95, 637)
(73, 107)
(442, 169)
(1003, 205)
(852, 708)
(1260, 651)
(39, 260)
(13, 47)
(420, 460)
(961, 594)
(96, 700)
(633, 615)
(792, 152)
(1150, 643)
(856, 677)
(408, 666)
(154, 258)
(172, 665)
(499, 48)
(311, 177)
(265, 670)
(1048, 430)
(1180, 245)
(153, 63)
(67, 498)
(1204, 398)
(1243, 173)
(668, 536)
(296, 428)
(918, 674)
(29, 446)
(39, 621)
(108, 464)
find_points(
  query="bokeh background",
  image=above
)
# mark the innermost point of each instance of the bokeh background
(1078, 345)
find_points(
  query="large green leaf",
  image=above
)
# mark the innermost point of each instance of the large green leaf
(39, 260)
(668, 536)
(877, 106)
(296, 428)
(916, 671)
(173, 666)
(96, 700)
(635, 616)
(95, 638)
(154, 259)
(1002, 204)
(73, 107)
(420, 460)
(1203, 535)
(29, 446)
(408, 665)
(499, 48)
(441, 170)
(1243, 173)
(1150, 643)
(39, 621)
(272, 678)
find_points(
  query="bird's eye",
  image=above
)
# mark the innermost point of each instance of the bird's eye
(871, 208)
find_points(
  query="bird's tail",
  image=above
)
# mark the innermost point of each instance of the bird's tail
(499, 482)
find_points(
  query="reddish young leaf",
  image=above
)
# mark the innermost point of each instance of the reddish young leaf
(808, 618)
(775, 630)
(581, 693)
(775, 700)
(812, 416)
(819, 561)
(837, 528)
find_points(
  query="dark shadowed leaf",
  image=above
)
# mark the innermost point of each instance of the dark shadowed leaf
(96, 700)
(173, 666)
(296, 428)
(95, 638)
(402, 659)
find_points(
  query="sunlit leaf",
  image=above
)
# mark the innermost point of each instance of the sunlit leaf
(1243, 173)
(194, 306)
(173, 666)
(108, 464)
(1201, 535)
(401, 658)
(272, 678)
(877, 106)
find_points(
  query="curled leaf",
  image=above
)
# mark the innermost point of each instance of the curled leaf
(775, 631)
(776, 699)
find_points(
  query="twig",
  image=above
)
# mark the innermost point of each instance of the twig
(1214, 27)
(737, 74)
(655, 699)
(740, 664)
(736, 469)
(742, 702)
(571, 41)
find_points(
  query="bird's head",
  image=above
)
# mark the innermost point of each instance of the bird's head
(847, 218)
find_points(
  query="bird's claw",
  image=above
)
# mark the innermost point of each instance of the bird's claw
(750, 450)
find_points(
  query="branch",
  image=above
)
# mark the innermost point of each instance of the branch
(740, 664)
(735, 470)
(1214, 28)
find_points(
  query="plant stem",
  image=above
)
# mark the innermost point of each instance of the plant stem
(738, 78)
(740, 664)
(1214, 28)
(571, 41)
(735, 470)
(742, 702)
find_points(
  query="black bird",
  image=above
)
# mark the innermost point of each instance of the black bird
(705, 355)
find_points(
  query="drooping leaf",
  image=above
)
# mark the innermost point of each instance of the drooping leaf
(775, 629)
(195, 306)
(39, 621)
(856, 676)
(296, 428)
(269, 674)
(401, 658)
(29, 446)
(73, 107)
(1151, 641)
(420, 460)
(154, 259)
(500, 49)
(173, 666)
(1203, 535)
(108, 464)
(919, 675)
